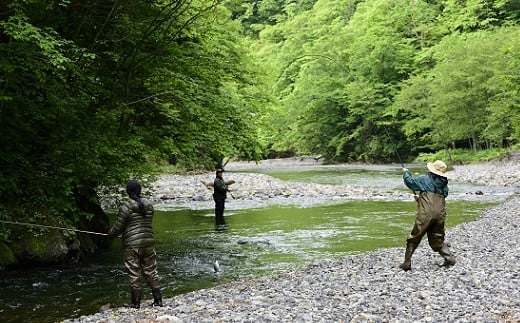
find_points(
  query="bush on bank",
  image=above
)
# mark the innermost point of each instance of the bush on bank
(466, 156)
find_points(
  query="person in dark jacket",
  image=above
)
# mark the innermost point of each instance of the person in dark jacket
(220, 189)
(134, 222)
(431, 212)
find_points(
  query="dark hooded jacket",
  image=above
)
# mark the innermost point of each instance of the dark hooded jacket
(136, 228)
(427, 183)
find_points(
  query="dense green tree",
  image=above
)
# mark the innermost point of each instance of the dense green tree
(339, 72)
(93, 93)
(255, 15)
(338, 67)
(302, 72)
(470, 97)
(472, 15)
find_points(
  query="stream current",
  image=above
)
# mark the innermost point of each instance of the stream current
(258, 240)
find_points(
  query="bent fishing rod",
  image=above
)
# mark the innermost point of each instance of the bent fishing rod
(51, 227)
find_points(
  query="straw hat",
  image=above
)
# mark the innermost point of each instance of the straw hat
(438, 167)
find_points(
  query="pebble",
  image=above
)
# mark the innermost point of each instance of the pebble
(252, 190)
(483, 286)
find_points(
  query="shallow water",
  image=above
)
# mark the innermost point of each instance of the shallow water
(256, 242)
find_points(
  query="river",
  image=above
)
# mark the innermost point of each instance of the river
(260, 239)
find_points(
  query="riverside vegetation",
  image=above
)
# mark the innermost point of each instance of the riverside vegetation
(91, 95)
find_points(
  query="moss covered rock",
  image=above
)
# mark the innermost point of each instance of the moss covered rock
(40, 248)
(7, 257)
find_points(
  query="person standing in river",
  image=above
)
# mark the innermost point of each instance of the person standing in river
(220, 189)
(431, 212)
(134, 221)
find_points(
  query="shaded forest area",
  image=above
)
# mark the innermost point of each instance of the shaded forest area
(95, 92)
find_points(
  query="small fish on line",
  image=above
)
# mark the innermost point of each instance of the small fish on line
(216, 266)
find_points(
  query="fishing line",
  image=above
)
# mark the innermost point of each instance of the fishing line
(52, 227)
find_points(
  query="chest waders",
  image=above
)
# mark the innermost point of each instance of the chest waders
(430, 220)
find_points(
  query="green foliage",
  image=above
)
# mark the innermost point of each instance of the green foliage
(385, 80)
(93, 95)
(256, 15)
(338, 73)
(473, 15)
(469, 96)
(463, 156)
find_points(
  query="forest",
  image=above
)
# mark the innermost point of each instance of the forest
(93, 93)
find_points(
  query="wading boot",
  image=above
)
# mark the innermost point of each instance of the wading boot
(407, 263)
(157, 298)
(449, 259)
(136, 297)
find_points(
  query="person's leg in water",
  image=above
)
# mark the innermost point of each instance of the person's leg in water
(219, 212)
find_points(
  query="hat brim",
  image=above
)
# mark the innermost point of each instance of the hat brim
(432, 169)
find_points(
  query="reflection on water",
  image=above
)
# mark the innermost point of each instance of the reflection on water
(256, 242)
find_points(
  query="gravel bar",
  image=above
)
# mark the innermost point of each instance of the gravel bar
(483, 286)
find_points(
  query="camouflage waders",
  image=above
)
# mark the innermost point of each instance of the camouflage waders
(134, 223)
(147, 258)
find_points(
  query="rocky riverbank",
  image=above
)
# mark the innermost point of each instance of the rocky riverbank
(254, 189)
(481, 287)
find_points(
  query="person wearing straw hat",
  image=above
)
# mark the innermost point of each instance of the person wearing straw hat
(431, 212)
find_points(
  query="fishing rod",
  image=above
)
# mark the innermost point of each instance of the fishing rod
(52, 227)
